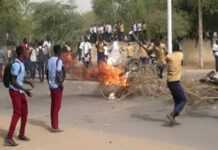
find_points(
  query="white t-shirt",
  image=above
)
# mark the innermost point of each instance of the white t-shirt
(114, 57)
(54, 65)
(109, 28)
(46, 47)
(139, 27)
(85, 47)
(33, 56)
(215, 49)
(135, 29)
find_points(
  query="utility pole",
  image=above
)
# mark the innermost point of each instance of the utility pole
(169, 20)
(200, 32)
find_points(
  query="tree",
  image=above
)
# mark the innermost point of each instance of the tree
(60, 23)
(153, 12)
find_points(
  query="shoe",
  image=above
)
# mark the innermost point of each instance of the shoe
(171, 120)
(10, 142)
(56, 130)
(23, 138)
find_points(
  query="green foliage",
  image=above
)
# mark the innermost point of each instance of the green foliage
(153, 12)
(58, 21)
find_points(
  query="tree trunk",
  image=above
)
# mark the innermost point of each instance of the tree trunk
(200, 32)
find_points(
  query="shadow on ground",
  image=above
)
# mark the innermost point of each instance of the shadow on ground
(39, 123)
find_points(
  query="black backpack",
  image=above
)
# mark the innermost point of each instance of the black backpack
(7, 77)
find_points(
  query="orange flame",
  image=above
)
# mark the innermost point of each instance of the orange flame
(104, 73)
(110, 75)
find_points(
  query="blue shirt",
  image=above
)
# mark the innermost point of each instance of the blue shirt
(54, 65)
(18, 70)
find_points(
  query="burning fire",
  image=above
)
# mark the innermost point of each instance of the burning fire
(112, 76)
(104, 73)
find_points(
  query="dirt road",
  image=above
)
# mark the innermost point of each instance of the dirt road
(92, 123)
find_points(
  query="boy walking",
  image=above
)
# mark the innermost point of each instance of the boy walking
(17, 93)
(55, 76)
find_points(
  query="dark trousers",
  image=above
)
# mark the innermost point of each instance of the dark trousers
(33, 69)
(161, 68)
(100, 57)
(178, 96)
(216, 63)
(20, 110)
(41, 70)
(56, 100)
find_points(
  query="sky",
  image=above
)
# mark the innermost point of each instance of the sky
(83, 5)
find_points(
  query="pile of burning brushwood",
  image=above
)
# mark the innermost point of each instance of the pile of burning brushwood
(134, 79)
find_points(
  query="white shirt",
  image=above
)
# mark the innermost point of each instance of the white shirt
(46, 47)
(215, 49)
(114, 57)
(109, 28)
(135, 28)
(33, 56)
(139, 27)
(85, 47)
(94, 29)
(54, 65)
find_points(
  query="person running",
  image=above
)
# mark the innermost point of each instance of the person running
(174, 62)
(17, 93)
(56, 77)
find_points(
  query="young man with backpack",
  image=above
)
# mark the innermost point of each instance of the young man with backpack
(55, 77)
(14, 79)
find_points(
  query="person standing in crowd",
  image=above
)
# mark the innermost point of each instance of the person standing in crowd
(144, 31)
(2, 62)
(86, 55)
(215, 53)
(120, 31)
(41, 61)
(139, 30)
(27, 62)
(174, 63)
(56, 77)
(160, 53)
(17, 93)
(33, 59)
(135, 29)
(114, 57)
(109, 31)
(144, 57)
(100, 51)
(130, 51)
(47, 48)
(79, 50)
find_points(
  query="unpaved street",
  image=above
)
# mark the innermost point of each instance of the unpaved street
(91, 122)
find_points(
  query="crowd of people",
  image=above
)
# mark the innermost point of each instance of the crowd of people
(108, 32)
